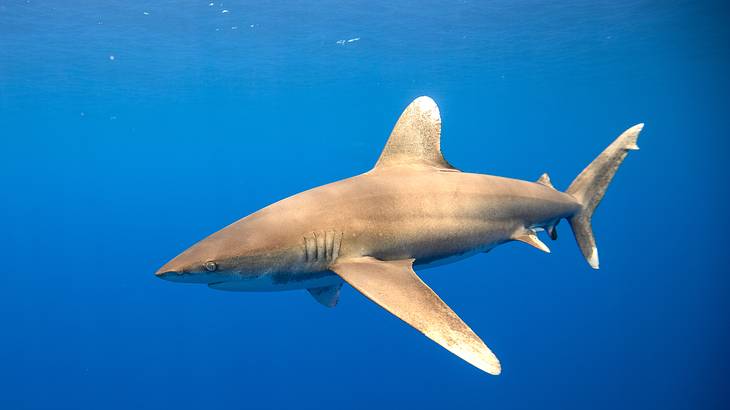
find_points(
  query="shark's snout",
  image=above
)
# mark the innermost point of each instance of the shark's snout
(165, 273)
(180, 271)
(178, 275)
(170, 271)
(165, 269)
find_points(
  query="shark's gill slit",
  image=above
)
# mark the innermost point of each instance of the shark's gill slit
(306, 249)
(311, 249)
(336, 243)
(326, 244)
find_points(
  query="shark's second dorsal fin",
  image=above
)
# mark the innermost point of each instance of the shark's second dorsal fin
(545, 180)
(416, 138)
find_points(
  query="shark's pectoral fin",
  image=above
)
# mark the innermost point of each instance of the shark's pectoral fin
(327, 295)
(416, 138)
(395, 287)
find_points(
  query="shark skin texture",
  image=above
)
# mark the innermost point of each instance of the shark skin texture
(413, 209)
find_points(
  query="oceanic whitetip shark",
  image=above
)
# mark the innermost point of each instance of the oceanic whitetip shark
(411, 210)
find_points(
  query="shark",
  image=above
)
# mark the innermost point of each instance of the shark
(412, 210)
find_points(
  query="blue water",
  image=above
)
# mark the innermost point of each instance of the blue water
(130, 130)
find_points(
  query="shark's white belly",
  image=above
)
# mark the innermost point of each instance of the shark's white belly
(453, 258)
(278, 282)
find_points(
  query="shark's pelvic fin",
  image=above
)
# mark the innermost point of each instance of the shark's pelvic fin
(416, 138)
(395, 287)
(545, 180)
(529, 237)
(327, 295)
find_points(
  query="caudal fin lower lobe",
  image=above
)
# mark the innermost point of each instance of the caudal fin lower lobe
(590, 186)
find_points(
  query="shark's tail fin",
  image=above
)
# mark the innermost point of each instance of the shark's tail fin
(590, 186)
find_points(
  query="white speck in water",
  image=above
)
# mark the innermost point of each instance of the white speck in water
(111, 58)
(224, 11)
(343, 41)
(146, 13)
(251, 26)
(211, 4)
(234, 28)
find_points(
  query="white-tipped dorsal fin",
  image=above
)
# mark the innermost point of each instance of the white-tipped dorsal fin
(545, 180)
(416, 138)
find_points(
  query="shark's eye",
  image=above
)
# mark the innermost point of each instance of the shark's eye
(210, 266)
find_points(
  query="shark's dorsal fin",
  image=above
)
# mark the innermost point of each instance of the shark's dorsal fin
(395, 287)
(416, 138)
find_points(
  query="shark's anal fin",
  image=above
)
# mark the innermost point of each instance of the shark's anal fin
(529, 237)
(552, 230)
(327, 295)
(416, 138)
(395, 287)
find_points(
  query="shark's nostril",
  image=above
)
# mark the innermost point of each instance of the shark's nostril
(165, 273)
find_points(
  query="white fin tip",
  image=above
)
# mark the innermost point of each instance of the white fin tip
(636, 128)
(428, 106)
(593, 260)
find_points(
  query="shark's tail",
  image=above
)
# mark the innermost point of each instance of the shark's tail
(590, 186)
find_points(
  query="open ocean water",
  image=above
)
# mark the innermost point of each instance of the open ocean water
(131, 129)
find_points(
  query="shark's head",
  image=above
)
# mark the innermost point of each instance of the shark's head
(222, 256)
(239, 252)
(202, 263)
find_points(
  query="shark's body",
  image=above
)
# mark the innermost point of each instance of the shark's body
(413, 208)
(391, 215)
